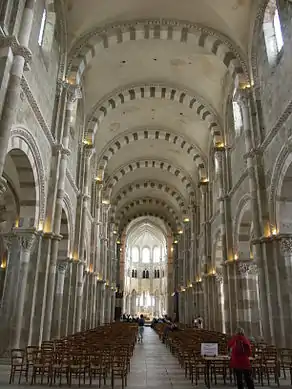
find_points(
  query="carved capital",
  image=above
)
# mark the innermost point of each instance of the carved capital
(17, 49)
(245, 268)
(286, 245)
(73, 92)
(253, 269)
(65, 151)
(88, 150)
(219, 277)
(8, 240)
(86, 197)
(62, 266)
(26, 238)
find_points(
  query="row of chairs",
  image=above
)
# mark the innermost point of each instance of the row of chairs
(268, 362)
(84, 357)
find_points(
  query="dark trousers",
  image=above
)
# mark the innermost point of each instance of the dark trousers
(247, 375)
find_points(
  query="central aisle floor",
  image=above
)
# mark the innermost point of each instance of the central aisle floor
(154, 366)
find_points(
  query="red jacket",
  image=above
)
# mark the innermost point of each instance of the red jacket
(240, 360)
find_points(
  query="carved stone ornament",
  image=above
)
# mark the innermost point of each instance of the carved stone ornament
(26, 239)
(3, 186)
(17, 49)
(245, 268)
(73, 92)
(286, 245)
(62, 266)
(219, 277)
(66, 152)
(88, 151)
(253, 269)
(8, 240)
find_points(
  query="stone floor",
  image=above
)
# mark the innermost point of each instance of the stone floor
(152, 366)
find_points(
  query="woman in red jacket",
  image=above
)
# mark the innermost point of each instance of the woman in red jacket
(240, 362)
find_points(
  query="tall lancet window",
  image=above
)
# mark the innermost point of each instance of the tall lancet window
(146, 255)
(273, 31)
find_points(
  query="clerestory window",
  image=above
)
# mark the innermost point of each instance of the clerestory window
(273, 32)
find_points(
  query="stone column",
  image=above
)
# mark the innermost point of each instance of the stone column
(91, 279)
(219, 318)
(204, 190)
(249, 309)
(9, 291)
(26, 238)
(219, 155)
(133, 304)
(59, 295)
(71, 314)
(227, 306)
(108, 302)
(284, 280)
(113, 305)
(226, 233)
(104, 256)
(40, 292)
(79, 294)
(73, 93)
(230, 274)
(31, 295)
(265, 289)
(68, 301)
(102, 302)
(21, 58)
(51, 287)
(199, 297)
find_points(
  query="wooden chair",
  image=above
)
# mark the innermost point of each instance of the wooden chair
(17, 364)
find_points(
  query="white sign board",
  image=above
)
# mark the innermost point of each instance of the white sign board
(209, 349)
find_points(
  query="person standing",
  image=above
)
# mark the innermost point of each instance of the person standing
(240, 359)
(141, 324)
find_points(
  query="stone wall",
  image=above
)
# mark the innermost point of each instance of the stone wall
(44, 69)
(275, 80)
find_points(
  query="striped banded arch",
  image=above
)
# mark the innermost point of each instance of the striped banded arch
(150, 133)
(24, 151)
(150, 163)
(138, 185)
(120, 213)
(92, 43)
(154, 91)
(171, 224)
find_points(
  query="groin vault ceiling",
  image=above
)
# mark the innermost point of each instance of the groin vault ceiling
(155, 76)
